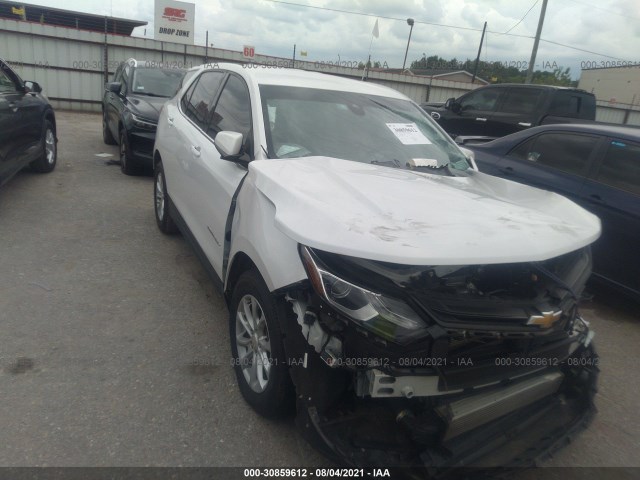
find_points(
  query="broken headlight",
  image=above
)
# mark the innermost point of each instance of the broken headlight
(389, 318)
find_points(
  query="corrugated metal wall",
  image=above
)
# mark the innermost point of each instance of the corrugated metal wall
(634, 118)
(609, 115)
(70, 66)
(70, 63)
(617, 113)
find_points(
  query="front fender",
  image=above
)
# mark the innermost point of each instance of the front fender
(254, 233)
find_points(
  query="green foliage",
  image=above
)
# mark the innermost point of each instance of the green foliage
(498, 72)
(376, 64)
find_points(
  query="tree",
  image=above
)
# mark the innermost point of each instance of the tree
(500, 71)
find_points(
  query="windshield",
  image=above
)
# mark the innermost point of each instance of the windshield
(156, 82)
(306, 122)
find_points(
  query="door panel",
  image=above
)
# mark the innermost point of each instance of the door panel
(116, 105)
(14, 133)
(476, 109)
(216, 180)
(110, 98)
(207, 182)
(517, 111)
(613, 193)
(556, 161)
(32, 117)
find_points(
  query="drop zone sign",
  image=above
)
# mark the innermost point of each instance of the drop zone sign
(174, 21)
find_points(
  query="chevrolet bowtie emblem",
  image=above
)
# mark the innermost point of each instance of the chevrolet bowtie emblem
(545, 320)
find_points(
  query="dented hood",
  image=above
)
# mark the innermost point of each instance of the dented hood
(414, 218)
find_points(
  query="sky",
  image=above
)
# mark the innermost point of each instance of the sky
(599, 31)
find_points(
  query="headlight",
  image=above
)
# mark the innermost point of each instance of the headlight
(143, 123)
(387, 317)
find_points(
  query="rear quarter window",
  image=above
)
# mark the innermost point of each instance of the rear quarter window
(621, 167)
(573, 105)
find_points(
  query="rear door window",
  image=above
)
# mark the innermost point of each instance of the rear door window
(483, 100)
(118, 74)
(126, 72)
(567, 152)
(233, 111)
(520, 100)
(199, 100)
(621, 166)
(6, 83)
(565, 104)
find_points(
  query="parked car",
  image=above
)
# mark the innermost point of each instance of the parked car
(598, 167)
(411, 307)
(130, 107)
(27, 126)
(498, 110)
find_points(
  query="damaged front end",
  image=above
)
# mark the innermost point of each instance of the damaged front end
(439, 367)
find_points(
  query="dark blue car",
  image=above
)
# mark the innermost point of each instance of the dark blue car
(598, 167)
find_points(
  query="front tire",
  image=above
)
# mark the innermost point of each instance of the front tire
(107, 136)
(161, 202)
(127, 164)
(49, 156)
(257, 349)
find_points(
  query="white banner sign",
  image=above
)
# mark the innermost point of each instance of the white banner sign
(174, 21)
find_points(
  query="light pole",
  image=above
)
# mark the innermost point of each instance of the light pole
(410, 23)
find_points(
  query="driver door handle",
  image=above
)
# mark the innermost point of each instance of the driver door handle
(195, 151)
(507, 170)
(480, 119)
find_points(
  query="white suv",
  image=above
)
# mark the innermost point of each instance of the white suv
(411, 307)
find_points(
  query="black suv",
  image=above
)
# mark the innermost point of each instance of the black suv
(499, 110)
(130, 108)
(27, 126)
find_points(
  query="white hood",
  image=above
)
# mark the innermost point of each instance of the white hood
(415, 218)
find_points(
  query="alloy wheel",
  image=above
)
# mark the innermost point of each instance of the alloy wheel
(50, 146)
(253, 343)
(160, 196)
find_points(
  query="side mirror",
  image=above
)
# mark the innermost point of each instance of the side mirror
(471, 158)
(114, 87)
(449, 103)
(229, 144)
(30, 86)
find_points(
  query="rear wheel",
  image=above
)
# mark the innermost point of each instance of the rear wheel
(49, 150)
(127, 164)
(161, 202)
(260, 362)
(107, 136)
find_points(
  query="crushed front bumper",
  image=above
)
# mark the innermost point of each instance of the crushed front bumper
(421, 425)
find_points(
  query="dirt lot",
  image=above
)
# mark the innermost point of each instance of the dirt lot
(115, 346)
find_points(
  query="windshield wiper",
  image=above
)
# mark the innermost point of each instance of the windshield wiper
(392, 163)
(149, 94)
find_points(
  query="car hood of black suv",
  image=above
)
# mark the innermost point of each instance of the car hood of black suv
(146, 106)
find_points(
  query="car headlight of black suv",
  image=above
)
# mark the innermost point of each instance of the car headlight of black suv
(142, 123)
